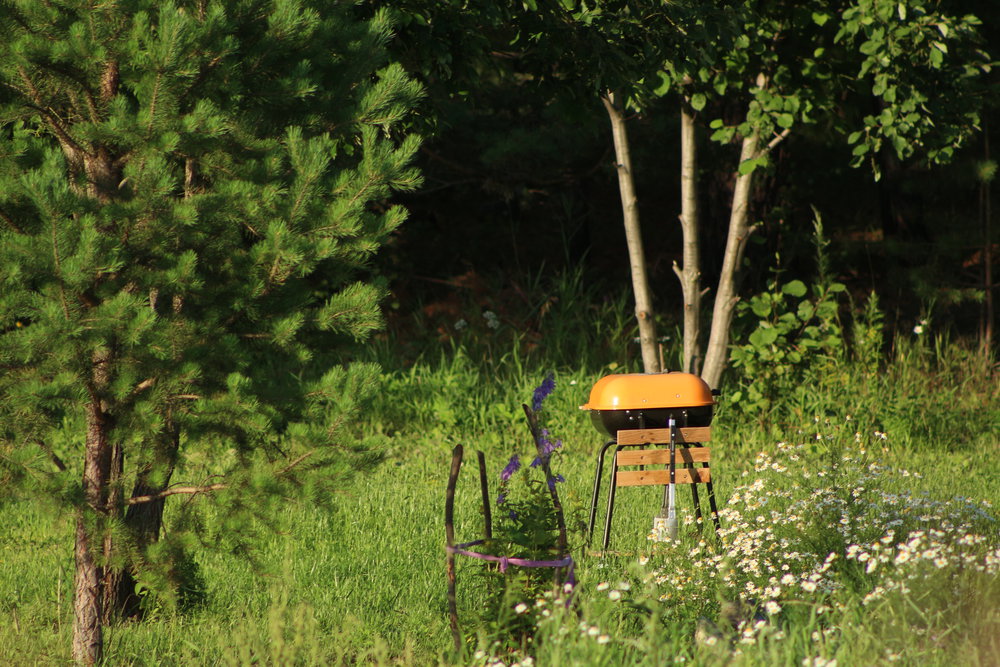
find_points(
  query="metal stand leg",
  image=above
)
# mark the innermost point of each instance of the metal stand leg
(711, 505)
(597, 489)
(611, 499)
(697, 505)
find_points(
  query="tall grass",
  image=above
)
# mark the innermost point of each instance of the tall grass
(364, 583)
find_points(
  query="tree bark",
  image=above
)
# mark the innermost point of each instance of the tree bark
(725, 297)
(633, 236)
(690, 272)
(88, 640)
(112, 574)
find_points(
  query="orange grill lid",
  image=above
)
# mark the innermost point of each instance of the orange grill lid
(638, 391)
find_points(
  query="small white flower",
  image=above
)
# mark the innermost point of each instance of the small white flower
(615, 595)
(461, 324)
(603, 639)
(521, 608)
(603, 586)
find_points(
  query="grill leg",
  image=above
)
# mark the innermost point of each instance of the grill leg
(711, 505)
(611, 499)
(597, 489)
(697, 505)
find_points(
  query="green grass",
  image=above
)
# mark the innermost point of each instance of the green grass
(365, 583)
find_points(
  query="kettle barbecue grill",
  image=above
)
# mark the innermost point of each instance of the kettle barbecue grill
(639, 409)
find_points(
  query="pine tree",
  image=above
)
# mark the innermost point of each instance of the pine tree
(189, 194)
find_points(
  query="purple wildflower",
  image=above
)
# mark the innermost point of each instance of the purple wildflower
(553, 480)
(512, 514)
(546, 447)
(542, 391)
(512, 467)
(501, 498)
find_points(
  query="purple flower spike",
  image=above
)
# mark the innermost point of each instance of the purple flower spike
(501, 498)
(547, 445)
(542, 391)
(553, 480)
(512, 467)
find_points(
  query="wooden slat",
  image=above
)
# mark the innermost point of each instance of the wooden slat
(662, 477)
(645, 457)
(647, 436)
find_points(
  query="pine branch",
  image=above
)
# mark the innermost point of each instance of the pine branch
(193, 490)
(10, 222)
(68, 142)
(58, 462)
(296, 462)
(177, 490)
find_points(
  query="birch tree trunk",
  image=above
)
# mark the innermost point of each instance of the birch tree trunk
(633, 236)
(725, 297)
(690, 272)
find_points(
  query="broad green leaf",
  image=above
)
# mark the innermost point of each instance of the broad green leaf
(760, 307)
(747, 166)
(698, 101)
(820, 18)
(795, 288)
(664, 86)
(785, 120)
(763, 337)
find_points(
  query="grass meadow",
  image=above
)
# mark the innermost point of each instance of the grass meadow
(859, 527)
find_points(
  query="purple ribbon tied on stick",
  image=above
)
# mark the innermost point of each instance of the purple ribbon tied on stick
(504, 562)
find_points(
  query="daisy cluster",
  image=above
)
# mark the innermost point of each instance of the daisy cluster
(553, 618)
(819, 528)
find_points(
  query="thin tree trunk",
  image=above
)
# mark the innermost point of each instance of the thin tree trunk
(112, 575)
(725, 296)
(690, 273)
(88, 640)
(633, 236)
